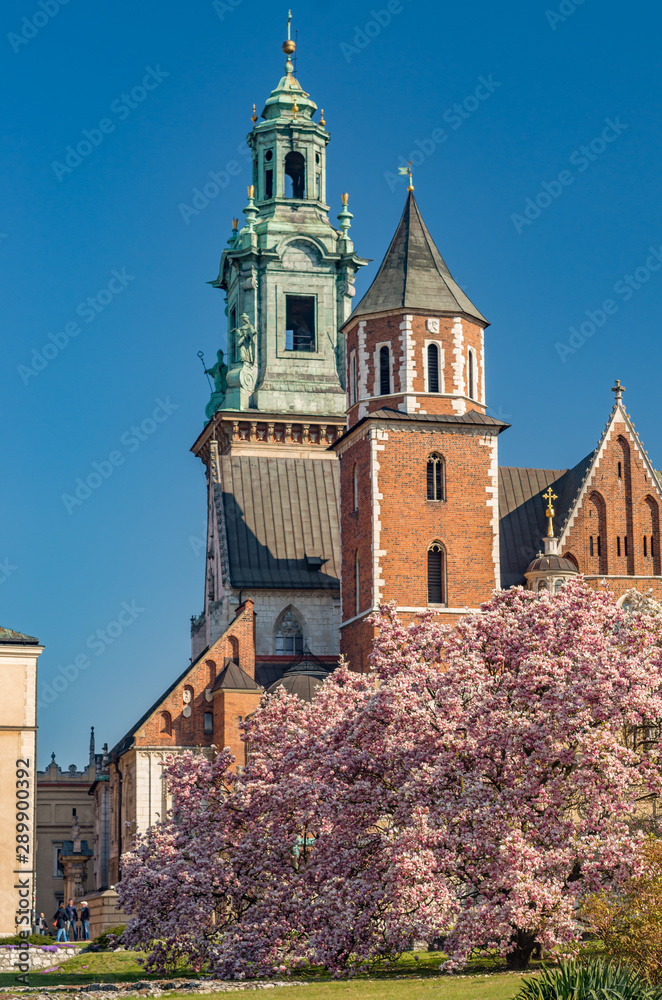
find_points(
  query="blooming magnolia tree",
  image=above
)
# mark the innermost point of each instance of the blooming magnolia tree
(476, 785)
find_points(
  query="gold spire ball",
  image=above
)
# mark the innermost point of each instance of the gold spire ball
(289, 47)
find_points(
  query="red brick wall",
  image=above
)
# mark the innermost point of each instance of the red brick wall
(356, 530)
(386, 329)
(231, 708)
(624, 506)
(186, 732)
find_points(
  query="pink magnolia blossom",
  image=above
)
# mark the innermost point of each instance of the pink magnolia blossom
(474, 786)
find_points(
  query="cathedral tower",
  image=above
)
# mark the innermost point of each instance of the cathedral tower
(279, 401)
(418, 462)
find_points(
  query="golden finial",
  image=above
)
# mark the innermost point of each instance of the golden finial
(235, 224)
(345, 199)
(295, 108)
(251, 191)
(254, 116)
(289, 46)
(322, 122)
(550, 513)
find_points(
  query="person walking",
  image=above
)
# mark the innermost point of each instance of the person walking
(42, 925)
(72, 920)
(60, 923)
(85, 920)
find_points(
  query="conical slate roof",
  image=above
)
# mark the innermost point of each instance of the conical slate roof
(414, 275)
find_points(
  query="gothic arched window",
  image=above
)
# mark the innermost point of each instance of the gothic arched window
(436, 478)
(295, 172)
(356, 486)
(433, 368)
(384, 371)
(471, 374)
(289, 634)
(436, 574)
(166, 723)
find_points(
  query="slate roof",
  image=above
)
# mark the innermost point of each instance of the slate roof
(523, 524)
(277, 511)
(471, 417)
(303, 676)
(11, 638)
(233, 678)
(414, 275)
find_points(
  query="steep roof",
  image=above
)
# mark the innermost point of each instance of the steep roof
(11, 638)
(233, 678)
(277, 512)
(414, 275)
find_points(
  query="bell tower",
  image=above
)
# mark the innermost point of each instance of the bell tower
(287, 275)
(418, 461)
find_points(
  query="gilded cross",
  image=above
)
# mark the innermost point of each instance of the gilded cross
(549, 496)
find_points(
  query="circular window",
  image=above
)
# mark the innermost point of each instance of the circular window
(318, 158)
(269, 155)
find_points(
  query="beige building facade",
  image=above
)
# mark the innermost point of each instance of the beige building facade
(19, 654)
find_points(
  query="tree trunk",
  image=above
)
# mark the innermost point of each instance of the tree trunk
(523, 943)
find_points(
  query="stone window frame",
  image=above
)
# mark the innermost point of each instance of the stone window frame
(376, 362)
(442, 366)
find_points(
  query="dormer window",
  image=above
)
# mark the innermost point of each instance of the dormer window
(295, 172)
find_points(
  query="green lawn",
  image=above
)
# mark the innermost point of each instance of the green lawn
(413, 977)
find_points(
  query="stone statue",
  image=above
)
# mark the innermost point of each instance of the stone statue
(245, 340)
(219, 373)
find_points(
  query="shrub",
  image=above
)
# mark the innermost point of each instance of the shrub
(595, 980)
(39, 939)
(630, 923)
(109, 940)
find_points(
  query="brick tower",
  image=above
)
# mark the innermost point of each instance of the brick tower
(418, 461)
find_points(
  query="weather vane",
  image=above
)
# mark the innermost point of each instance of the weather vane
(406, 172)
(550, 513)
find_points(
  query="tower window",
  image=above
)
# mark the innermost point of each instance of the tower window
(436, 574)
(269, 184)
(436, 478)
(618, 545)
(620, 470)
(625, 545)
(300, 323)
(295, 172)
(433, 368)
(471, 374)
(652, 545)
(590, 545)
(269, 155)
(356, 487)
(645, 546)
(384, 371)
(209, 723)
(318, 186)
(598, 541)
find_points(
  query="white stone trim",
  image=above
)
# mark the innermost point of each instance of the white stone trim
(471, 356)
(483, 396)
(362, 360)
(492, 490)
(459, 386)
(377, 369)
(408, 364)
(442, 368)
(377, 435)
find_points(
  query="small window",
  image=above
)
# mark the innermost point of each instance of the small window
(436, 574)
(645, 546)
(300, 323)
(356, 487)
(268, 184)
(318, 186)
(166, 723)
(318, 158)
(590, 545)
(625, 545)
(433, 368)
(652, 545)
(618, 545)
(269, 155)
(357, 584)
(620, 470)
(436, 478)
(598, 544)
(353, 387)
(384, 371)
(471, 374)
(295, 172)
(209, 723)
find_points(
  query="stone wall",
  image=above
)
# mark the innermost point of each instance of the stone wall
(14, 958)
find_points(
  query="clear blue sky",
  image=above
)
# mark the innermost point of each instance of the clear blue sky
(387, 89)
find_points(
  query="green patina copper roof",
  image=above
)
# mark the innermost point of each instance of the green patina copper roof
(414, 275)
(281, 101)
(11, 638)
